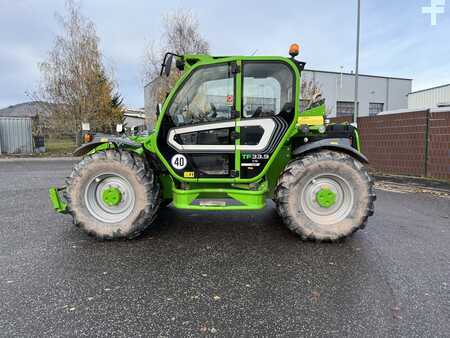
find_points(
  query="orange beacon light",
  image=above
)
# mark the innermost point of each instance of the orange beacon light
(294, 50)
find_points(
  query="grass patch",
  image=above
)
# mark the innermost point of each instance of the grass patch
(59, 146)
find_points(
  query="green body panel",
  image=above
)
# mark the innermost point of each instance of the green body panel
(316, 111)
(106, 145)
(237, 154)
(358, 140)
(275, 170)
(248, 199)
(58, 205)
(249, 194)
(101, 147)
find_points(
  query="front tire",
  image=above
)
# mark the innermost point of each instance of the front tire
(112, 194)
(325, 196)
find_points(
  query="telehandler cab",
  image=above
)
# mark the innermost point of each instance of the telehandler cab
(229, 136)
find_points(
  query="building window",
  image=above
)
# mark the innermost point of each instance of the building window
(344, 108)
(375, 108)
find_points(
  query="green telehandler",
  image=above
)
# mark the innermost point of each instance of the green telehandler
(229, 136)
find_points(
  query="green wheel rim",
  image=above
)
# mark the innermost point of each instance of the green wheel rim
(112, 196)
(327, 198)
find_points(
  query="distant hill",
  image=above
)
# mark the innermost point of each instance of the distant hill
(27, 109)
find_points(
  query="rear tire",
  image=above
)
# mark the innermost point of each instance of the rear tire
(325, 196)
(112, 194)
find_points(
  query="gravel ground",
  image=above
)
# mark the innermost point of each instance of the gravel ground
(220, 274)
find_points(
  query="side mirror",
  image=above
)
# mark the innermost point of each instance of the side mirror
(119, 127)
(168, 65)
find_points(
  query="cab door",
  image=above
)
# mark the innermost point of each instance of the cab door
(197, 135)
(268, 109)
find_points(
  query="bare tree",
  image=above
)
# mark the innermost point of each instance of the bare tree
(311, 92)
(74, 79)
(181, 35)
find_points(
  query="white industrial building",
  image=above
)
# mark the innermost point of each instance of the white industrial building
(134, 118)
(436, 97)
(376, 93)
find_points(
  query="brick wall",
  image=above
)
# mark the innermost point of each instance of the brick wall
(439, 145)
(397, 143)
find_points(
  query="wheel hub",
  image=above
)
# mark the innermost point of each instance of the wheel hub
(326, 198)
(112, 196)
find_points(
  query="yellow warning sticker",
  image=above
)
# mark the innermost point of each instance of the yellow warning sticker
(310, 120)
(189, 174)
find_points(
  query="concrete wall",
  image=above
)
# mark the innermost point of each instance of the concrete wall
(429, 98)
(392, 92)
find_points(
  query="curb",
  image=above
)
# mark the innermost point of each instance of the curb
(39, 159)
(417, 182)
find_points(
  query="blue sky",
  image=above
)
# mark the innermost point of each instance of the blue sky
(396, 38)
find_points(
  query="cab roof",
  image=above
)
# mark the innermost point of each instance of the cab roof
(193, 59)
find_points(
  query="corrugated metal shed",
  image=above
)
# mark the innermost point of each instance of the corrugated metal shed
(16, 135)
(429, 98)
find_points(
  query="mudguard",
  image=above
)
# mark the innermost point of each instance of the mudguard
(118, 142)
(338, 144)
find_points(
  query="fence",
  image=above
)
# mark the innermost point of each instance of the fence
(16, 135)
(413, 143)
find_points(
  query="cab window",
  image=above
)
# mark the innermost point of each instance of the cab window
(268, 89)
(207, 96)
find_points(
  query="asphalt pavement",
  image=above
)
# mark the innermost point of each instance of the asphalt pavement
(219, 274)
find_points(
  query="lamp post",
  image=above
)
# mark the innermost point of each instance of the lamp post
(356, 105)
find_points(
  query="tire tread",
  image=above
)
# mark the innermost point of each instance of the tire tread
(296, 168)
(143, 172)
